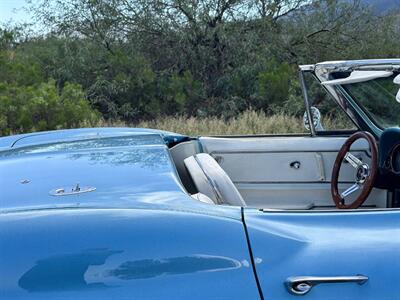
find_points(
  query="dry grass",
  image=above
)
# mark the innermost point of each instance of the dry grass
(249, 122)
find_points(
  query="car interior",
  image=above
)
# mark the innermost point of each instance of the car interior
(351, 163)
(283, 172)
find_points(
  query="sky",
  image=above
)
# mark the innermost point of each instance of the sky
(12, 10)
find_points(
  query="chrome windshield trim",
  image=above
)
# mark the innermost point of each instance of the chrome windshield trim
(324, 69)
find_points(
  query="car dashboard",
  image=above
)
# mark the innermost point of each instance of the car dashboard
(389, 159)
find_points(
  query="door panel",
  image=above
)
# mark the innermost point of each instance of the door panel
(299, 196)
(259, 167)
(326, 244)
(285, 167)
(287, 172)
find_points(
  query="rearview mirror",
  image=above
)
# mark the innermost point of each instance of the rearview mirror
(316, 117)
(396, 80)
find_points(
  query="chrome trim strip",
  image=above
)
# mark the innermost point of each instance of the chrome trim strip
(216, 152)
(291, 182)
(307, 103)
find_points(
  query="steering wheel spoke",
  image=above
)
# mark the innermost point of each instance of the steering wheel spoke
(352, 160)
(350, 190)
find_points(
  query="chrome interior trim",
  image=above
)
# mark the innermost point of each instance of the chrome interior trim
(212, 153)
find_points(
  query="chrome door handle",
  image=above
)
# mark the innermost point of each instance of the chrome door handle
(301, 285)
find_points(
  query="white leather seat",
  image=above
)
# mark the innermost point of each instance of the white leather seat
(211, 180)
(202, 198)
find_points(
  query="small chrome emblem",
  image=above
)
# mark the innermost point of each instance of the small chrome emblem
(74, 190)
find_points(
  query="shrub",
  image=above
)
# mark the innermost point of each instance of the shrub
(43, 107)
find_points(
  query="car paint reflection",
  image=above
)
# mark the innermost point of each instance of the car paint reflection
(64, 272)
(149, 268)
(68, 272)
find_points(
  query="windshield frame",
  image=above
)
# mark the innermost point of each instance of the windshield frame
(323, 72)
(376, 119)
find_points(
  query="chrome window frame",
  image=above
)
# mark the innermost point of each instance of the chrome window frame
(323, 71)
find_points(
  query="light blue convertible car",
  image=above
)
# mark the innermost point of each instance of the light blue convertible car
(144, 214)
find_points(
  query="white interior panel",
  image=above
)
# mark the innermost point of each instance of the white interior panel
(262, 169)
(276, 143)
(299, 196)
(279, 166)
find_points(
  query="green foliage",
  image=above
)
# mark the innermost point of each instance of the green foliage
(273, 85)
(138, 60)
(43, 107)
(28, 102)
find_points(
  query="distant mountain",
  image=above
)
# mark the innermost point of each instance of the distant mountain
(382, 6)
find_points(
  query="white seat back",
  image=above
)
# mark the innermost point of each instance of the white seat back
(211, 180)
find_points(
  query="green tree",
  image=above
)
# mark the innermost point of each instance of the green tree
(29, 102)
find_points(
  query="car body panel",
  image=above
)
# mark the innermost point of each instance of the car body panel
(129, 171)
(287, 244)
(123, 254)
(111, 242)
(56, 136)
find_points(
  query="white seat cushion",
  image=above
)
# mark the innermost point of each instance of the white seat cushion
(211, 180)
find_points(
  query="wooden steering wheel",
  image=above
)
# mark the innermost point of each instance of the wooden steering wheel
(365, 174)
